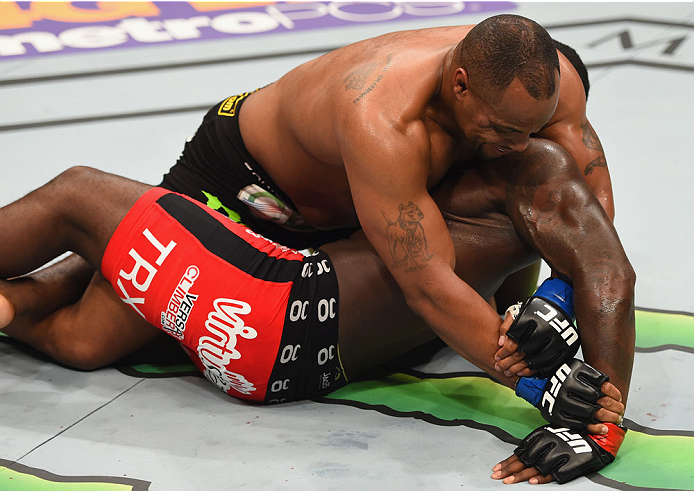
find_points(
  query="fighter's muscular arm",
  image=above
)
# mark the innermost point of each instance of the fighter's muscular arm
(388, 168)
(570, 128)
(554, 210)
(560, 217)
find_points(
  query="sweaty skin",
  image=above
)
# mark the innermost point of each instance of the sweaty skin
(492, 212)
(394, 79)
(360, 133)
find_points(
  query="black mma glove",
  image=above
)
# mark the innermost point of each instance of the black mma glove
(569, 398)
(543, 327)
(568, 455)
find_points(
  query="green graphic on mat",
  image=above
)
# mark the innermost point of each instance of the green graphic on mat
(655, 329)
(18, 477)
(656, 462)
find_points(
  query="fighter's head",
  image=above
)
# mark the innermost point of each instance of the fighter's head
(506, 84)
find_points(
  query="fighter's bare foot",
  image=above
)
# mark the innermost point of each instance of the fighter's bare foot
(6, 311)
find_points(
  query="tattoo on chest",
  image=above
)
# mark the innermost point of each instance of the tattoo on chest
(359, 77)
(407, 241)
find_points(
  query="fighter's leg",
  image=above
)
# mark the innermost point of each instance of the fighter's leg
(50, 309)
(517, 287)
(39, 294)
(77, 211)
(95, 331)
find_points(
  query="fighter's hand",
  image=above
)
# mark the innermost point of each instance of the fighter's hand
(512, 470)
(556, 453)
(611, 409)
(508, 359)
(576, 396)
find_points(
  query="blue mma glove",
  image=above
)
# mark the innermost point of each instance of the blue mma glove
(544, 329)
(569, 398)
(567, 455)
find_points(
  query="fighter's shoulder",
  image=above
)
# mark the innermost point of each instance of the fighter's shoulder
(572, 97)
(543, 162)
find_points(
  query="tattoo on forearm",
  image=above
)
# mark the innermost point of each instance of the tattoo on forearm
(358, 78)
(407, 241)
(598, 162)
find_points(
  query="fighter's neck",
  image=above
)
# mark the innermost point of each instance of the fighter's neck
(443, 101)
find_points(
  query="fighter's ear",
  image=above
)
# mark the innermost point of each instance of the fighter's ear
(461, 82)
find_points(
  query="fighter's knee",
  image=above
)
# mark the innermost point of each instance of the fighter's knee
(84, 355)
(77, 174)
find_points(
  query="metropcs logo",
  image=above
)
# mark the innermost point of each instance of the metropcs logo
(37, 28)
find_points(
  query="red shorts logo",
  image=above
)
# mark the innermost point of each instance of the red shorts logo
(224, 324)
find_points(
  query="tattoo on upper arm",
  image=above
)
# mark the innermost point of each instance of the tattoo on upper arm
(358, 78)
(590, 140)
(407, 241)
(598, 162)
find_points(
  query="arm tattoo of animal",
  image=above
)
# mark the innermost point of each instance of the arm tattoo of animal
(407, 242)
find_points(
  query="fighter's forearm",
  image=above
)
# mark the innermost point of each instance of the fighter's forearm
(466, 323)
(604, 304)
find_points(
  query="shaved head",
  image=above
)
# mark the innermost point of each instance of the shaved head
(507, 47)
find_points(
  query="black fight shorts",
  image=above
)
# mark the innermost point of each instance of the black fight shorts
(217, 170)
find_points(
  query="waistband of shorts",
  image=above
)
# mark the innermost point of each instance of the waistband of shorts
(120, 237)
(232, 123)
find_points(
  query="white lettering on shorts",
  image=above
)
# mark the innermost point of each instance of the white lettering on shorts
(180, 306)
(135, 278)
(326, 354)
(216, 351)
(326, 309)
(226, 380)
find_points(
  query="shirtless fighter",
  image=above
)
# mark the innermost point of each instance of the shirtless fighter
(365, 132)
(261, 320)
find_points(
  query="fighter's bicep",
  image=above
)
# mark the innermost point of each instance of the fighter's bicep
(553, 208)
(402, 222)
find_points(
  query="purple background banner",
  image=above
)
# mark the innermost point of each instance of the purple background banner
(64, 27)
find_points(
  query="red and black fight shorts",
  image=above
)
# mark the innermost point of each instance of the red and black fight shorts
(258, 319)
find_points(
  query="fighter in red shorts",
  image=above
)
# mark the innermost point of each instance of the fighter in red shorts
(257, 318)
(171, 261)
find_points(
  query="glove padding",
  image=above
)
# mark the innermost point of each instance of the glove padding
(544, 329)
(569, 398)
(567, 455)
